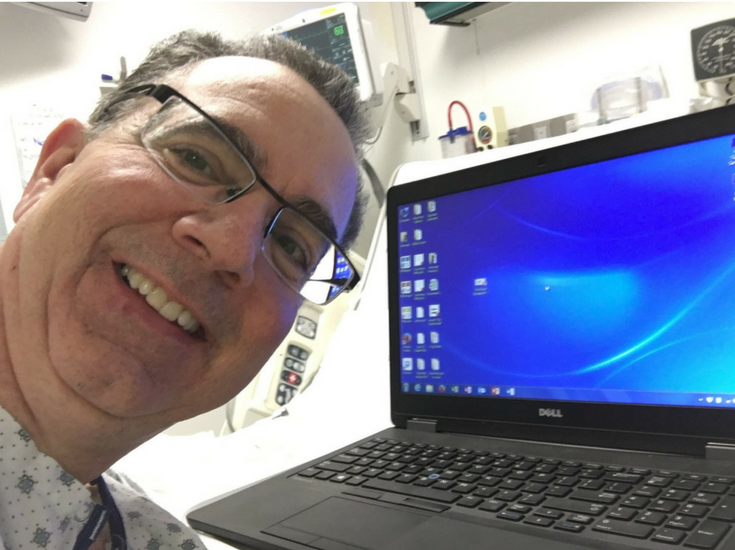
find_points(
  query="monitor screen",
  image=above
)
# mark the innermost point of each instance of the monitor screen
(329, 39)
(611, 282)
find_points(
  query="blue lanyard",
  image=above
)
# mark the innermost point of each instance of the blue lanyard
(100, 516)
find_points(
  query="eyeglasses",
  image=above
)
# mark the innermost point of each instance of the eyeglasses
(196, 151)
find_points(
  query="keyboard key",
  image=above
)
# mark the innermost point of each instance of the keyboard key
(511, 484)
(624, 477)
(685, 484)
(575, 506)
(464, 488)
(569, 526)
(356, 480)
(708, 535)
(636, 502)
(725, 480)
(647, 491)
(669, 536)
(492, 506)
(581, 518)
(324, 475)
(534, 488)
(661, 481)
(485, 492)
(557, 491)
(725, 511)
(553, 514)
(520, 508)
(707, 499)
(511, 516)
(309, 472)
(339, 478)
(666, 506)
(625, 514)
(594, 496)
(411, 490)
(694, 510)
(616, 487)
(625, 529)
(388, 475)
(651, 518)
(444, 484)
(424, 482)
(533, 500)
(681, 522)
(406, 478)
(333, 466)
(508, 496)
(537, 520)
(594, 484)
(469, 501)
(716, 488)
(345, 459)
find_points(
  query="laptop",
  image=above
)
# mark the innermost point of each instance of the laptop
(562, 349)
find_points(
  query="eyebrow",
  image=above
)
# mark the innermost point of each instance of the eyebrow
(316, 214)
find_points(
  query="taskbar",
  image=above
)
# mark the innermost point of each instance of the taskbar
(636, 397)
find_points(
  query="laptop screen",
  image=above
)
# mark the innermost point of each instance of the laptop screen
(612, 282)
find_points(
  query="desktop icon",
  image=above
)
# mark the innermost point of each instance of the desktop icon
(495, 390)
(718, 399)
(419, 312)
(406, 387)
(418, 285)
(405, 287)
(407, 364)
(420, 364)
(442, 388)
(482, 390)
(417, 388)
(455, 389)
(434, 310)
(405, 212)
(406, 338)
(433, 285)
(435, 364)
(433, 258)
(418, 234)
(481, 282)
(404, 236)
(420, 340)
(418, 260)
(417, 209)
(406, 313)
(511, 391)
(429, 388)
(405, 262)
(468, 389)
(434, 337)
(431, 206)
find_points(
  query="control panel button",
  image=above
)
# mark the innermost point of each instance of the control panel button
(305, 327)
(291, 378)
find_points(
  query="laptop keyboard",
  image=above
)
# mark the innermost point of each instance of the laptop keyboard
(670, 508)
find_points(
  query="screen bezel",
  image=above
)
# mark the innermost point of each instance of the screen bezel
(366, 87)
(521, 417)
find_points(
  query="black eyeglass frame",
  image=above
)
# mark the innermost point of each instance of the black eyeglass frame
(161, 93)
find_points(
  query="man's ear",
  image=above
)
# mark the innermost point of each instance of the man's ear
(60, 149)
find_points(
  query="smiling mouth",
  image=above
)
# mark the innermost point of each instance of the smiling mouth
(158, 300)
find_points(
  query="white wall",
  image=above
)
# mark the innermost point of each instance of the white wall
(57, 62)
(541, 60)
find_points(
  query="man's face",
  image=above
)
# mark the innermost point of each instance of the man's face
(114, 206)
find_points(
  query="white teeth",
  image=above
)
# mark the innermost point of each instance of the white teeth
(158, 300)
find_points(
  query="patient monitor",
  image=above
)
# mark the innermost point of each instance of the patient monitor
(338, 35)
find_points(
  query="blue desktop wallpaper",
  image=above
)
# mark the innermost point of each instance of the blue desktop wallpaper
(611, 282)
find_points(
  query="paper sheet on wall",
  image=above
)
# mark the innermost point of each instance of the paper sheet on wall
(30, 128)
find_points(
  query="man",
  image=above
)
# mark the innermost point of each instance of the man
(159, 257)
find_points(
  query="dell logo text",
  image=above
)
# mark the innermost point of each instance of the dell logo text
(556, 413)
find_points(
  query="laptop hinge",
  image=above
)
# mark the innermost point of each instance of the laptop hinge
(421, 425)
(719, 451)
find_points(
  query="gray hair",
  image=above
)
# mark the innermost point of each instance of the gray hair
(187, 48)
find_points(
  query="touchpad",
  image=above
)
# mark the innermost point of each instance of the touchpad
(354, 523)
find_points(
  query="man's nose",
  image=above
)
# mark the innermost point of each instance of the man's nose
(227, 237)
